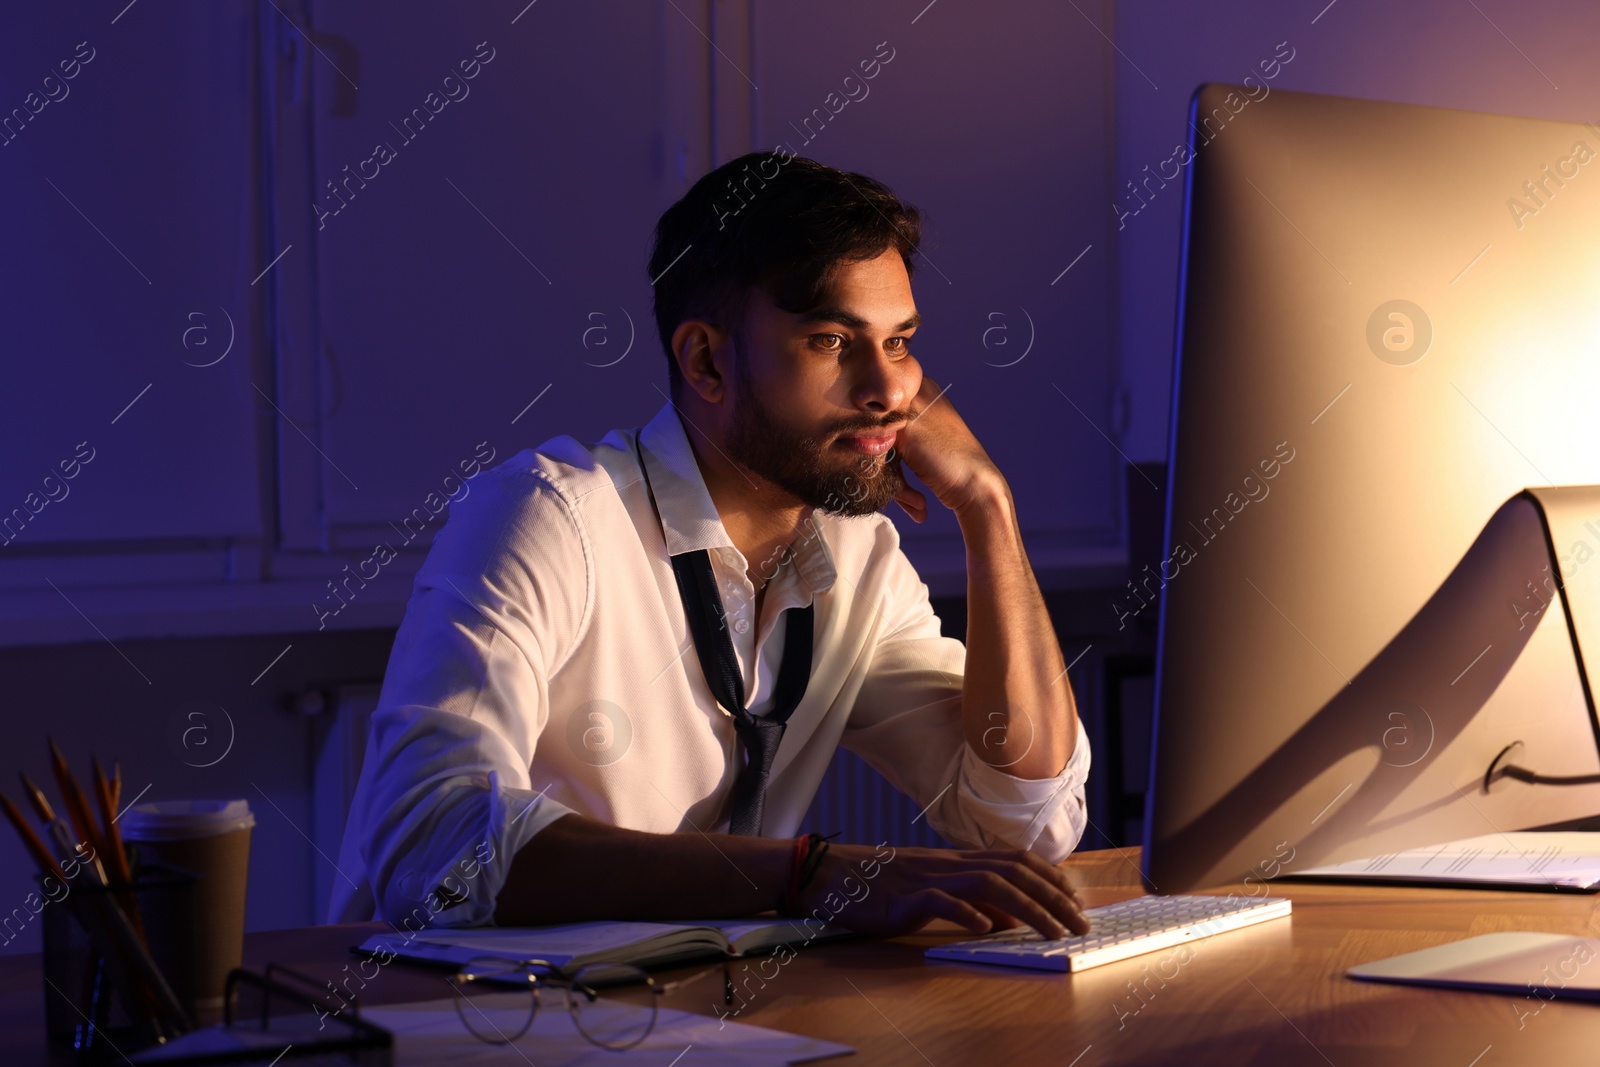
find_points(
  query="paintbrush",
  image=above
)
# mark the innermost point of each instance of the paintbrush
(60, 835)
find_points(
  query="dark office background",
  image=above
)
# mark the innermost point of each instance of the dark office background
(271, 364)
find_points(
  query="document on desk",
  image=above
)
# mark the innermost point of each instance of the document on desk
(1533, 965)
(429, 1032)
(1560, 860)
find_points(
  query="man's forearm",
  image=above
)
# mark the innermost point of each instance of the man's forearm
(1016, 701)
(578, 869)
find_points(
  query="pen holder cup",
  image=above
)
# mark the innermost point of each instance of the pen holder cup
(84, 1011)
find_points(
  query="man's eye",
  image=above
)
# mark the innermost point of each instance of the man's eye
(836, 343)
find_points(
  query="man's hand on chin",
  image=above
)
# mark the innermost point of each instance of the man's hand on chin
(938, 448)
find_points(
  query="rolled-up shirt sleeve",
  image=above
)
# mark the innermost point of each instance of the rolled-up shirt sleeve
(444, 800)
(906, 723)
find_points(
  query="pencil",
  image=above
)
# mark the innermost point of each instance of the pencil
(30, 839)
(37, 799)
(117, 858)
(111, 837)
(77, 806)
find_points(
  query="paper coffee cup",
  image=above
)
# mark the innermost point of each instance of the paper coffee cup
(210, 838)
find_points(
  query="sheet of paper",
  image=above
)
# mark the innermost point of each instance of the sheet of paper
(430, 1032)
(1569, 859)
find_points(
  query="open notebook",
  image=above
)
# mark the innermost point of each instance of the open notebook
(573, 945)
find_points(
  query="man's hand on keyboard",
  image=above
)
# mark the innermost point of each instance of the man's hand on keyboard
(895, 891)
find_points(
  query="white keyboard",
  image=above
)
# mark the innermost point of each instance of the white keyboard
(1117, 931)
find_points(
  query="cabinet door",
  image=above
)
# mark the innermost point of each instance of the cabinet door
(129, 166)
(481, 211)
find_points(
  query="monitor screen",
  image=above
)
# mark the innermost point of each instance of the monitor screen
(1388, 329)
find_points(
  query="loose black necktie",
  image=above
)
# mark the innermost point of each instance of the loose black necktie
(759, 735)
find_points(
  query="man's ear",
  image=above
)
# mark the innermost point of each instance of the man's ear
(700, 347)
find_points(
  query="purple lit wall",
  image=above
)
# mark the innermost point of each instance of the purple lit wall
(1531, 59)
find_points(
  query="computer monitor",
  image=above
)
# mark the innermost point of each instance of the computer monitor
(1389, 327)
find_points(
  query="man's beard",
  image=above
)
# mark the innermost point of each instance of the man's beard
(806, 466)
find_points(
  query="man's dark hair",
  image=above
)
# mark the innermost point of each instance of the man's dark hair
(778, 221)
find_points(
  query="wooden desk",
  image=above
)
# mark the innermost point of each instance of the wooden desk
(1269, 995)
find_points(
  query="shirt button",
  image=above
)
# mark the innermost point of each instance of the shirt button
(741, 625)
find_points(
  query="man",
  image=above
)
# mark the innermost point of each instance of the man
(559, 736)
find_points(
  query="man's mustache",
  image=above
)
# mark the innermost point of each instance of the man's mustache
(891, 423)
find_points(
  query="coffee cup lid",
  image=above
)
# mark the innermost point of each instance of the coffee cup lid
(176, 820)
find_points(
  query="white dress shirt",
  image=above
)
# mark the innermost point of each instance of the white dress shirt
(545, 666)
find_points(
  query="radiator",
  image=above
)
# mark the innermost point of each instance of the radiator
(855, 800)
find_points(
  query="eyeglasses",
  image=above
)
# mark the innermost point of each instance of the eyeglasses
(498, 997)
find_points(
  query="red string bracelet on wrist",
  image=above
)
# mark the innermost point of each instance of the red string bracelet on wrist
(789, 902)
(803, 863)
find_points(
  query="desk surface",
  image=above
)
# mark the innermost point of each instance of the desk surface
(1273, 994)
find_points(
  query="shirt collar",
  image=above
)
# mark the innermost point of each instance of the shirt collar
(689, 519)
